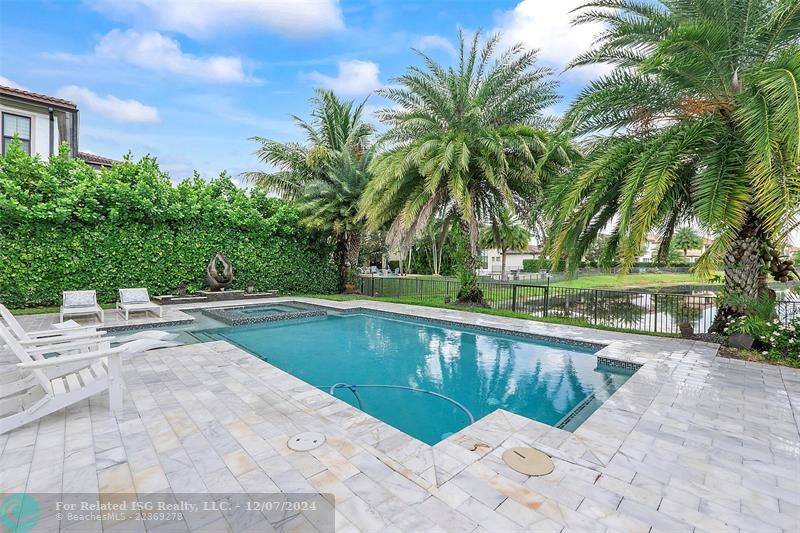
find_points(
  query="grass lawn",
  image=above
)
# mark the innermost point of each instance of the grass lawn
(614, 281)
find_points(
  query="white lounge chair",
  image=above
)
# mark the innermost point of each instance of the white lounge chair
(77, 303)
(87, 334)
(50, 384)
(132, 300)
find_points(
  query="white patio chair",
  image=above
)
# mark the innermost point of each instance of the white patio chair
(87, 334)
(50, 384)
(76, 303)
(132, 300)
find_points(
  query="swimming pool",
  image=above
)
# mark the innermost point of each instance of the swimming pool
(548, 381)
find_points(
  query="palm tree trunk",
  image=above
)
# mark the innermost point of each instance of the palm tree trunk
(470, 293)
(347, 248)
(503, 264)
(439, 247)
(745, 272)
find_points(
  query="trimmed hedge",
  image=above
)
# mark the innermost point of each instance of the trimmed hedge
(64, 227)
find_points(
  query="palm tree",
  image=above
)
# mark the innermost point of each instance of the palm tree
(703, 112)
(466, 139)
(504, 234)
(686, 238)
(326, 175)
(330, 204)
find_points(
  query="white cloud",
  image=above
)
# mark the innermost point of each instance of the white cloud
(547, 27)
(154, 51)
(355, 78)
(426, 42)
(203, 17)
(110, 106)
(10, 83)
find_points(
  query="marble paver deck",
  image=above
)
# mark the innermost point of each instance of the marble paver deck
(692, 442)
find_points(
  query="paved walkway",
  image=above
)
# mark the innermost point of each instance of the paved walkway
(692, 442)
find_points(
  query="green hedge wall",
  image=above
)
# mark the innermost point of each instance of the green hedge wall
(64, 227)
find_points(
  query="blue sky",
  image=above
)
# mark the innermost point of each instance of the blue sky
(190, 80)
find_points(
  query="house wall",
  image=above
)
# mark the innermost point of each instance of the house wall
(40, 125)
(492, 260)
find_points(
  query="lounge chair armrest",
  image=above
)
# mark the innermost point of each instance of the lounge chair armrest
(64, 331)
(54, 339)
(58, 347)
(68, 359)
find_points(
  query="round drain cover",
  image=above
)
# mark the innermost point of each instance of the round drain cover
(302, 442)
(529, 461)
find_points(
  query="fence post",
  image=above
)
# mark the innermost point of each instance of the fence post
(546, 298)
(595, 307)
(655, 311)
(514, 297)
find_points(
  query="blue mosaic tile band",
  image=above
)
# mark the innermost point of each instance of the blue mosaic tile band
(148, 325)
(230, 317)
(616, 363)
(575, 411)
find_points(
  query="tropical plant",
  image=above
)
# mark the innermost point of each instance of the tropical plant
(504, 234)
(703, 110)
(757, 315)
(686, 238)
(464, 141)
(326, 175)
(784, 342)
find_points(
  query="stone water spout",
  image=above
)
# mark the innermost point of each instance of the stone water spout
(217, 281)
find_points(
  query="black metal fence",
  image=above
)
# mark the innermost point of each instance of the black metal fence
(640, 311)
(788, 310)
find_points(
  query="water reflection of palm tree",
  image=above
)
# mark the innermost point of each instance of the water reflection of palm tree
(496, 385)
(563, 389)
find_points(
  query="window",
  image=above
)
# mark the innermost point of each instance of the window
(16, 125)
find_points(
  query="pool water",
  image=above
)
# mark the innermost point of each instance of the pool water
(534, 378)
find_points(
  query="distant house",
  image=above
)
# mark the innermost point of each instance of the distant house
(653, 242)
(491, 259)
(42, 123)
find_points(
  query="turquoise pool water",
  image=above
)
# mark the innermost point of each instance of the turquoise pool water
(541, 380)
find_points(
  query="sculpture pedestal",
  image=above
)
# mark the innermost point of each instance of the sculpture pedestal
(213, 296)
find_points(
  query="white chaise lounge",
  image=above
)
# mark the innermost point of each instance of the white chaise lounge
(78, 303)
(133, 300)
(47, 385)
(79, 334)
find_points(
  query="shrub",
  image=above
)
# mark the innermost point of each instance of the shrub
(535, 265)
(784, 341)
(63, 226)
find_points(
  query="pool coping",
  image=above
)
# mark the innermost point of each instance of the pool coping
(591, 445)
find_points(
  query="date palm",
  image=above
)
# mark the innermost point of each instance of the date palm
(326, 175)
(468, 139)
(505, 234)
(701, 117)
(686, 238)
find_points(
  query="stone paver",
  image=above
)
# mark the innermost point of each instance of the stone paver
(692, 442)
